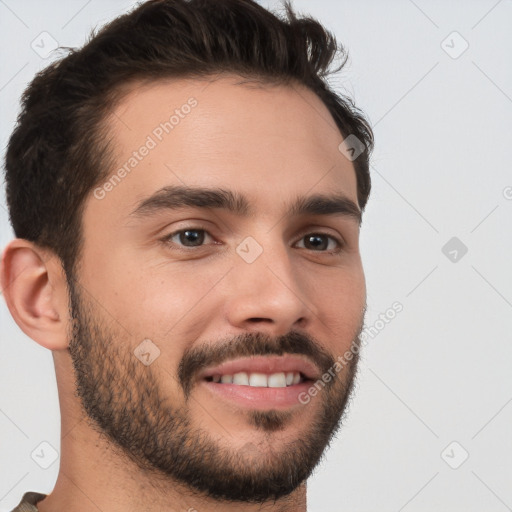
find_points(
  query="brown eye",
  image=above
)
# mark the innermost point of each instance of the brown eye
(189, 237)
(319, 242)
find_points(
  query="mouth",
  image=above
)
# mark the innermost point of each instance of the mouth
(261, 382)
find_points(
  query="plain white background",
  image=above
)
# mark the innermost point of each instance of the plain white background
(429, 424)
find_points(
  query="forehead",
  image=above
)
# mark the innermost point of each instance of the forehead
(264, 141)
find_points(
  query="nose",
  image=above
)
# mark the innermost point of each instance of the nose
(268, 294)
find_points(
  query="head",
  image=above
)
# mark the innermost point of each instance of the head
(181, 186)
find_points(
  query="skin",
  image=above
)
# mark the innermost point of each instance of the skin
(270, 144)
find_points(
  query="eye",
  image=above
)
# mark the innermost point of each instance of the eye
(319, 242)
(189, 237)
(194, 237)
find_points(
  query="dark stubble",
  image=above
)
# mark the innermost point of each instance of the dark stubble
(124, 402)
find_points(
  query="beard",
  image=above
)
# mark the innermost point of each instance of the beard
(125, 403)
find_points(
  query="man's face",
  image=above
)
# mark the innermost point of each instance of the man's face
(268, 298)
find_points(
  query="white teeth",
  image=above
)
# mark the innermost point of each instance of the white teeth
(277, 380)
(241, 379)
(260, 380)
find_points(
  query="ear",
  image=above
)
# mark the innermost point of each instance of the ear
(34, 286)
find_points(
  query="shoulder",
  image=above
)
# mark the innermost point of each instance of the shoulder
(28, 502)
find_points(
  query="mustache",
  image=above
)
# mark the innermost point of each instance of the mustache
(246, 345)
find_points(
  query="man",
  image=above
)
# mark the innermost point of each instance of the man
(186, 192)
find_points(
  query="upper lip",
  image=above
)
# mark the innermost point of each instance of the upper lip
(264, 364)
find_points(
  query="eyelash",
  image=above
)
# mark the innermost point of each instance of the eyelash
(166, 240)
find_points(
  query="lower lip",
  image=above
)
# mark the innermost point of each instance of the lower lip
(259, 397)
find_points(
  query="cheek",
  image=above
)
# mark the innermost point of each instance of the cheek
(169, 302)
(342, 306)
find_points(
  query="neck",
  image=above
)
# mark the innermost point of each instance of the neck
(94, 477)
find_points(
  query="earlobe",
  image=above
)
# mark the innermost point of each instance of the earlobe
(34, 288)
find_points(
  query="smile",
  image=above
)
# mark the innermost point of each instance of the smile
(259, 380)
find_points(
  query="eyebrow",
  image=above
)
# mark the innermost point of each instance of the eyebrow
(176, 197)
